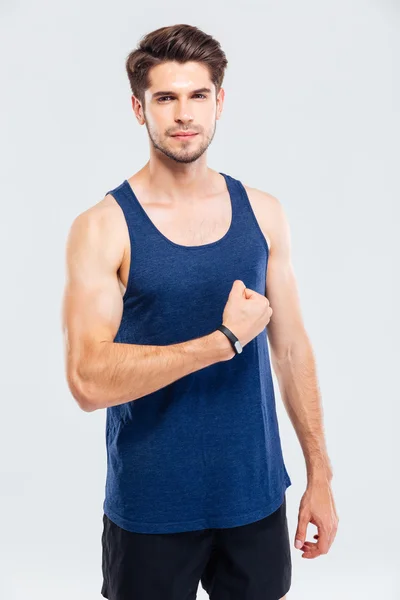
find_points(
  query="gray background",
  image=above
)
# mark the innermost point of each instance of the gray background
(311, 115)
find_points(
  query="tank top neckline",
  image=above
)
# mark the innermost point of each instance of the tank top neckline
(133, 197)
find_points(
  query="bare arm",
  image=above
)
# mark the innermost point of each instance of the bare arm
(291, 352)
(294, 364)
(100, 372)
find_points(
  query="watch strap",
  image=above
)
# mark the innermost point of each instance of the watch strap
(231, 336)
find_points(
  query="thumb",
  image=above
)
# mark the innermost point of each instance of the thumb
(301, 532)
(248, 293)
(238, 287)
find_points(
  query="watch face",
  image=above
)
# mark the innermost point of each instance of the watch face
(238, 347)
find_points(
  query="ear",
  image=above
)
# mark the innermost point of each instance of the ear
(138, 109)
(220, 102)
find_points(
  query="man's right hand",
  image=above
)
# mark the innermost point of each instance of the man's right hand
(246, 312)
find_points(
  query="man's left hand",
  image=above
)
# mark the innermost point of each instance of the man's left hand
(317, 506)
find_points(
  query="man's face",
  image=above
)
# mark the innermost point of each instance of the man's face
(189, 106)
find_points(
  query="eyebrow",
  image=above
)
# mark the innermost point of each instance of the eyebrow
(170, 93)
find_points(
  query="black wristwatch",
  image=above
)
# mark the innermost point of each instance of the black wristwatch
(237, 346)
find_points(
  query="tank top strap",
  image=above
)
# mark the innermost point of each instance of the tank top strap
(137, 221)
(121, 195)
(244, 219)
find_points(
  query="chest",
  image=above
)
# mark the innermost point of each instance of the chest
(192, 223)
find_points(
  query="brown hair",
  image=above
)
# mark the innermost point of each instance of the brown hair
(180, 43)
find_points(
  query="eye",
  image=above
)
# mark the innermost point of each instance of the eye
(162, 98)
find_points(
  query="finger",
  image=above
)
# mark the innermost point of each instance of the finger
(301, 531)
(311, 550)
(322, 545)
(307, 547)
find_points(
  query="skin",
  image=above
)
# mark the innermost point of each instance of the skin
(188, 203)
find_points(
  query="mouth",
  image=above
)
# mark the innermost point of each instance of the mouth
(186, 136)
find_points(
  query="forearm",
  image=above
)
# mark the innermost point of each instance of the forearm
(114, 373)
(298, 385)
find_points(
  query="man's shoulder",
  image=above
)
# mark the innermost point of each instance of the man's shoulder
(262, 199)
(268, 211)
(101, 225)
(104, 213)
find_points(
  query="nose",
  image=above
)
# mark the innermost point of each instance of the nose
(183, 113)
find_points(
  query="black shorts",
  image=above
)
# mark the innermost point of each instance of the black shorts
(247, 562)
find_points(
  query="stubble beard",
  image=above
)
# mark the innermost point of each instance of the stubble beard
(182, 154)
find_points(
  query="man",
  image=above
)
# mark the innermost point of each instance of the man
(166, 308)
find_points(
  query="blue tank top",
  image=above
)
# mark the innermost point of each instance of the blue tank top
(204, 451)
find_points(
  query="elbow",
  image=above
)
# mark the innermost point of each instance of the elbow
(83, 391)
